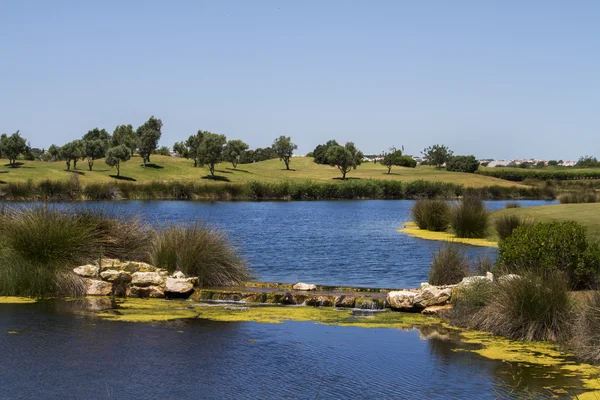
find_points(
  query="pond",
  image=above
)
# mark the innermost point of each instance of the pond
(346, 243)
(54, 349)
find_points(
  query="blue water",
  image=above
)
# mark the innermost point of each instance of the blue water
(324, 242)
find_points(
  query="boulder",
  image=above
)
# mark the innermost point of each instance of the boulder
(369, 303)
(112, 275)
(320, 301)
(96, 287)
(87, 271)
(143, 279)
(304, 286)
(472, 279)
(437, 310)
(135, 266)
(417, 300)
(345, 301)
(108, 263)
(177, 287)
(149, 291)
(178, 275)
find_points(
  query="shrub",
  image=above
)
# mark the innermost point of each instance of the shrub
(579, 197)
(531, 307)
(505, 224)
(199, 250)
(512, 204)
(468, 300)
(586, 331)
(407, 161)
(462, 164)
(432, 215)
(469, 218)
(448, 266)
(549, 246)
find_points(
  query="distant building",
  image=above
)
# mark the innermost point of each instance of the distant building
(502, 163)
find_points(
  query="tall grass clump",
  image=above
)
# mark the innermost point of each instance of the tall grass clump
(199, 250)
(507, 223)
(468, 300)
(530, 307)
(512, 204)
(586, 330)
(433, 215)
(469, 218)
(448, 266)
(579, 197)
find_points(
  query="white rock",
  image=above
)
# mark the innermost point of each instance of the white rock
(115, 276)
(96, 287)
(415, 300)
(304, 286)
(179, 286)
(143, 279)
(87, 271)
(402, 299)
(472, 279)
(490, 276)
(150, 291)
(178, 275)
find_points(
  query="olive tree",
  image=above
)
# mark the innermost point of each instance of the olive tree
(284, 148)
(116, 155)
(72, 151)
(193, 146)
(12, 146)
(211, 150)
(233, 151)
(148, 136)
(124, 135)
(437, 155)
(345, 157)
(394, 157)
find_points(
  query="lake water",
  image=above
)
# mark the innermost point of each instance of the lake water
(324, 242)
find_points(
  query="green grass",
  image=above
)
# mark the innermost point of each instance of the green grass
(178, 169)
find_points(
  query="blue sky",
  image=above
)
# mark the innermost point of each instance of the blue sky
(502, 79)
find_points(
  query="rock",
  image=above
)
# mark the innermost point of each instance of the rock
(402, 299)
(143, 279)
(369, 303)
(178, 275)
(96, 287)
(178, 287)
(254, 298)
(417, 300)
(345, 301)
(304, 286)
(508, 277)
(135, 266)
(293, 298)
(108, 263)
(320, 301)
(87, 271)
(112, 275)
(472, 279)
(150, 291)
(437, 310)
(433, 296)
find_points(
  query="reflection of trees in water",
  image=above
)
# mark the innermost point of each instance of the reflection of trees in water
(511, 379)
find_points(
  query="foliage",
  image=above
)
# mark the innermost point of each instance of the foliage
(394, 157)
(585, 196)
(433, 215)
(53, 153)
(199, 250)
(12, 146)
(448, 266)
(116, 155)
(94, 149)
(148, 135)
(284, 148)
(193, 146)
(468, 300)
(320, 152)
(407, 161)
(519, 175)
(507, 223)
(181, 149)
(469, 218)
(586, 330)
(72, 151)
(125, 135)
(211, 150)
(257, 155)
(529, 307)
(164, 151)
(233, 151)
(549, 246)
(588, 162)
(553, 163)
(437, 155)
(344, 158)
(462, 164)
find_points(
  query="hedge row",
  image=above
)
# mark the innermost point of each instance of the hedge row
(519, 175)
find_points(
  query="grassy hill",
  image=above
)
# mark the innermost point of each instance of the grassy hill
(164, 168)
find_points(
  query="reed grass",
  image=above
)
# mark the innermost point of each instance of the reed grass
(432, 215)
(448, 266)
(469, 218)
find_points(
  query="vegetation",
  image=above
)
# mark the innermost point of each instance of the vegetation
(448, 266)
(519, 175)
(407, 161)
(320, 152)
(284, 148)
(512, 204)
(233, 151)
(394, 157)
(344, 158)
(588, 162)
(469, 218)
(468, 300)
(549, 247)
(12, 146)
(202, 251)
(437, 155)
(433, 215)
(468, 164)
(585, 196)
(586, 330)
(116, 155)
(148, 135)
(211, 149)
(506, 224)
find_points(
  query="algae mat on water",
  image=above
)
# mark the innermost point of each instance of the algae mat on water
(411, 229)
(16, 300)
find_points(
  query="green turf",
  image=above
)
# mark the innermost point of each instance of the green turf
(178, 169)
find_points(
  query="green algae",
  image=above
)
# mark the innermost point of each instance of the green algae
(411, 229)
(16, 300)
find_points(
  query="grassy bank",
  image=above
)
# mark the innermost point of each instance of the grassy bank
(544, 174)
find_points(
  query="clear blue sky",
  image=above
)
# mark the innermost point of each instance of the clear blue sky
(503, 79)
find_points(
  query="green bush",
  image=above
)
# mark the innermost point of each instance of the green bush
(550, 246)
(448, 266)
(529, 307)
(407, 161)
(586, 331)
(505, 224)
(467, 164)
(469, 218)
(199, 250)
(432, 215)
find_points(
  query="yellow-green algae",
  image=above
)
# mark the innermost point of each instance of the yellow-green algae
(411, 229)
(152, 310)
(16, 300)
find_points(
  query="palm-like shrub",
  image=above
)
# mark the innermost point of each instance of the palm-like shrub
(469, 218)
(448, 266)
(507, 223)
(432, 215)
(199, 250)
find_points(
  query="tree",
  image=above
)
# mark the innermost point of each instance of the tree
(284, 148)
(71, 151)
(53, 152)
(180, 149)
(211, 150)
(97, 134)
(392, 158)
(233, 151)
(11, 146)
(163, 151)
(148, 136)
(116, 155)
(93, 150)
(587, 162)
(193, 146)
(321, 150)
(124, 135)
(462, 164)
(437, 155)
(553, 163)
(344, 158)
(407, 161)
